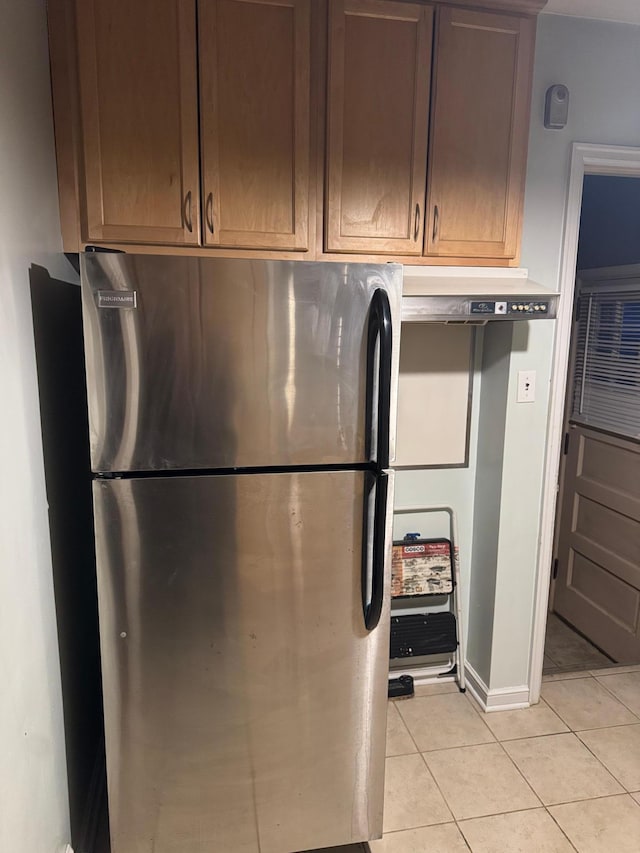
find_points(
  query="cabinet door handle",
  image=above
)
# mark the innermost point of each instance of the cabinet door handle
(209, 212)
(187, 212)
(436, 219)
(416, 222)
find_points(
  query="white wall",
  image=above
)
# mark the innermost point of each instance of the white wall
(600, 63)
(445, 486)
(33, 786)
(522, 478)
(487, 495)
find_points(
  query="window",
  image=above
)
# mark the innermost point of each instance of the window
(606, 385)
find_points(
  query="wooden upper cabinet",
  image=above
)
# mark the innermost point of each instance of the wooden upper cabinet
(378, 110)
(137, 71)
(255, 114)
(152, 152)
(480, 117)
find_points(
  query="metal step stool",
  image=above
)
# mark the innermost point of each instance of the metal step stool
(425, 634)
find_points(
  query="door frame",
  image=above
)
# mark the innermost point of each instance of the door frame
(586, 159)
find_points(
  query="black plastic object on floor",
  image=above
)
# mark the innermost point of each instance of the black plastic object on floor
(423, 634)
(401, 688)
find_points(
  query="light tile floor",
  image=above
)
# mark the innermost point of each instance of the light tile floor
(560, 777)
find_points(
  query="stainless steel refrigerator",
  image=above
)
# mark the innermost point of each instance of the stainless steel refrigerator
(241, 425)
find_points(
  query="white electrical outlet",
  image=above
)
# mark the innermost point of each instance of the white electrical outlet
(526, 386)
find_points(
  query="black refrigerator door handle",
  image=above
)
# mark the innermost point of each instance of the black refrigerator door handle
(379, 328)
(372, 608)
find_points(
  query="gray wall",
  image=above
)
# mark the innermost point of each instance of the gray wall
(34, 815)
(488, 494)
(600, 63)
(445, 486)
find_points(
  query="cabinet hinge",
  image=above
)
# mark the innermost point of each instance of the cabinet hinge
(565, 448)
(555, 568)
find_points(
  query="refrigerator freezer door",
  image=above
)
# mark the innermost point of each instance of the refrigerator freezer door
(245, 701)
(210, 363)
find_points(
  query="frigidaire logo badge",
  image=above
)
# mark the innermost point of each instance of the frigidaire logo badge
(117, 299)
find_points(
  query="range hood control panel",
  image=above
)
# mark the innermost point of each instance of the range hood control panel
(461, 309)
(511, 307)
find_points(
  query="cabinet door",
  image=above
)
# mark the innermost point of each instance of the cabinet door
(139, 109)
(479, 137)
(255, 95)
(378, 91)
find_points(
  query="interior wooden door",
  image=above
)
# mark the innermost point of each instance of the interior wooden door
(597, 588)
(255, 113)
(139, 113)
(378, 93)
(480, 119)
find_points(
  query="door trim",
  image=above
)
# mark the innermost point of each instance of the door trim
(586, 159)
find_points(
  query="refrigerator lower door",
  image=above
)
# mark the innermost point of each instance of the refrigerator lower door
(245, 701)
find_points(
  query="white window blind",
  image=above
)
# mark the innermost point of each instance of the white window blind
(606, 387)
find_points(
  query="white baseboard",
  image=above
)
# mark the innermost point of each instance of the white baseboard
(476, 686)
(497, 699)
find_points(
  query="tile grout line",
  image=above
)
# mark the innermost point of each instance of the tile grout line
(569, 841)
(428, 769)
(439, 749)
(611, 694)
(555, 710)
(519, 811)
(517, 770)
(576, 733)
(580, 741)
(462, 835)
(556, 734)
(541, 703)
(421, 826)
(616, 697)
(602, 764)
(413, 740)
(586, 800)
(571, 669)
(424, 760)
(529, 785)
(541, 807)
(615, 669)
(457, 821)
(438, 788)
(504, 740)
(566, 675)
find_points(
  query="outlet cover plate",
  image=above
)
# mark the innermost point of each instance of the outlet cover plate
(526, 386)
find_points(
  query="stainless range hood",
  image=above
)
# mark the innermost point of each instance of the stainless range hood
(458, 295)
